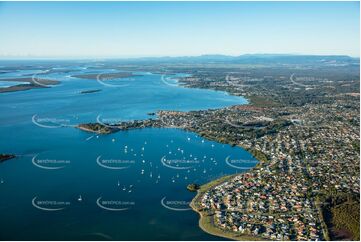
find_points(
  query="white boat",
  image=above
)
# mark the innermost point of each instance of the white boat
(80, 198)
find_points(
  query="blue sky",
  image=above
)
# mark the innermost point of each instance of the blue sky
(133, 29)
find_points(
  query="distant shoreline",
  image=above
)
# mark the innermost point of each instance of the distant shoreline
(29, 83)
(105, 76)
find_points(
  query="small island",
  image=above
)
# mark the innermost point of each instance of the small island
(193, 187)
(90, 91)
(4, 157)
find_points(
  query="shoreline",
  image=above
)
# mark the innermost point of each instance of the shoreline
(206, 221)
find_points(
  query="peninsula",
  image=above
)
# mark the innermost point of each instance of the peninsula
(29, 83)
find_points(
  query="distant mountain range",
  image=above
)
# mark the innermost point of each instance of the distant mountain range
(255, 59)
(247, 59)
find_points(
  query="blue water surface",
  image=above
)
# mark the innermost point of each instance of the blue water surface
(67, 184)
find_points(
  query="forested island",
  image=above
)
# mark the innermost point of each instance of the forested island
(29, 83)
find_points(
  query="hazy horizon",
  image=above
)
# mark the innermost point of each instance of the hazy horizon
(160, 56)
